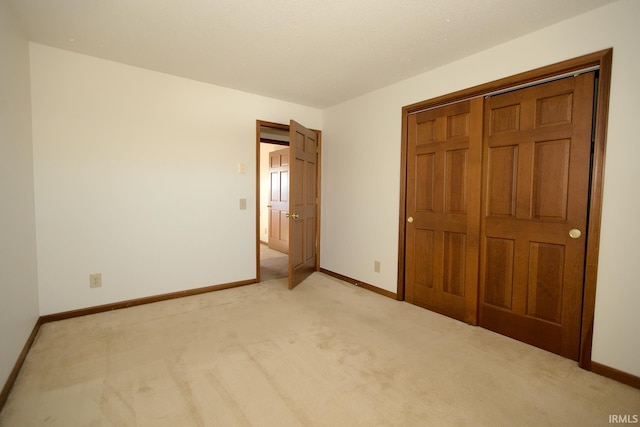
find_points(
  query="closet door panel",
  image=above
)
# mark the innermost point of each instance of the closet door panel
(537, 150)
(443, 206)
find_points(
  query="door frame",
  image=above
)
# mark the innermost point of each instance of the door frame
(282, 126)
(602, 59)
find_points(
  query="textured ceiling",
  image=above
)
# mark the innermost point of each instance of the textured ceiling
(311, 52)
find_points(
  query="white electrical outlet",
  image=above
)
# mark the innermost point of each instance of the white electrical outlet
(95, 280)
(376, 266)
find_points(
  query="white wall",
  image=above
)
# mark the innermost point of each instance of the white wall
(136, 177)
(361, 166)
(18, 269)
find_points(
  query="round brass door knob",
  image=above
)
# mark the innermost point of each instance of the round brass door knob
(410, 219)
(574, 233)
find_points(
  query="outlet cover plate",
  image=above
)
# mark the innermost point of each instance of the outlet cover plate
(95, 280)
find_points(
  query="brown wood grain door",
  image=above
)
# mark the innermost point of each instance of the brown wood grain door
(536, 156)
(443, 209)
(279, 200)
(303, 208)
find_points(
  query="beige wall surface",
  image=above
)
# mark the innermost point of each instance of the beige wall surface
(18, 272)
(137, 178)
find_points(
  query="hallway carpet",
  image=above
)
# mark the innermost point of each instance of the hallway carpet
(273, 264)
(326, 353)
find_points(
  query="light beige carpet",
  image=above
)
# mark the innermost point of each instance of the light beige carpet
(326, 353)
(273, 264)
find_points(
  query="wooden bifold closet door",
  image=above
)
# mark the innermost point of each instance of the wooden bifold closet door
(496, 211)
(443, 206)
(537, 153)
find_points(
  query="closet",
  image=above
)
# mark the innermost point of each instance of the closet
(500, 204)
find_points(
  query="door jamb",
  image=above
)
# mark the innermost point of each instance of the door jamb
(603, 59)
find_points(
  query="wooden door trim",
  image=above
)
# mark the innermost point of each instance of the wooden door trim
(602, 59)
(318, 193)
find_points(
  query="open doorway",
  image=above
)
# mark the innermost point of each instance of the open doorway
(273, 187)
(288, 214)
